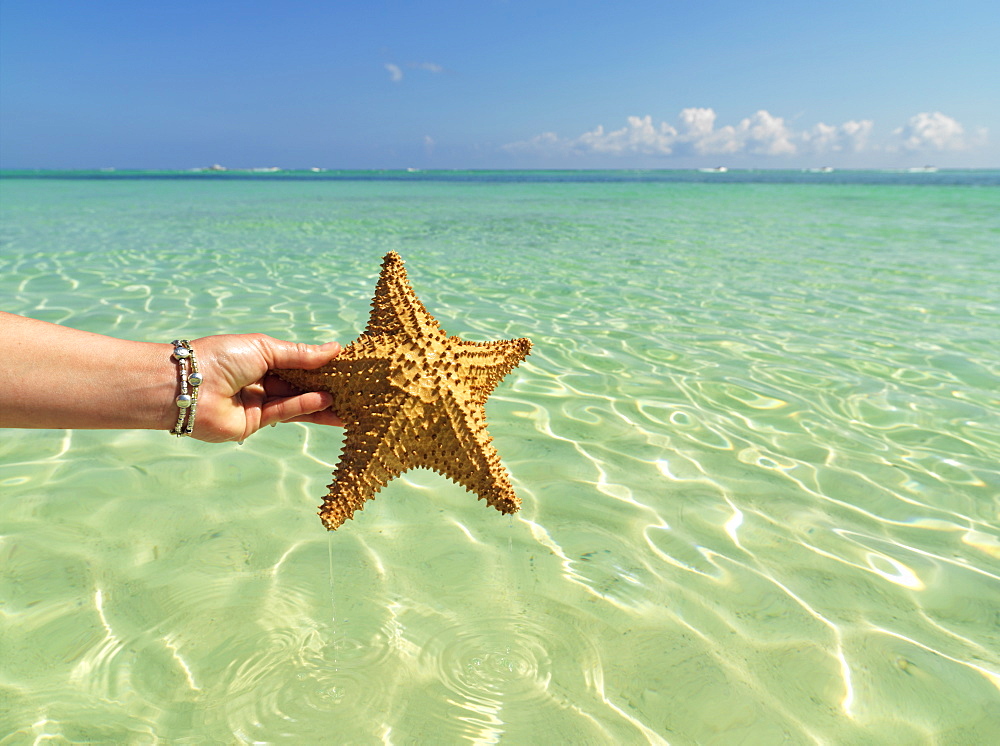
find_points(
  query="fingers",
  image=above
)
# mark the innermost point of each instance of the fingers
(276, 387)
(284, 355)
(246, 398)
(323, 417)
(309, 407)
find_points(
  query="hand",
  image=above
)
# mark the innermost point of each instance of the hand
(238, 396)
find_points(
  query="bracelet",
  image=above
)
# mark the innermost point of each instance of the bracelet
(187, 403)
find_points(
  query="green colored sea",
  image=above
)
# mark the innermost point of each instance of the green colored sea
(757, 444)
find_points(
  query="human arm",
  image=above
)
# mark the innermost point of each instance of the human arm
(53, 376)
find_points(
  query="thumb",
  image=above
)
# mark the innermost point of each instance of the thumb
(284, 355)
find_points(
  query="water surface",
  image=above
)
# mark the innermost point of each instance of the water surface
(757, 443)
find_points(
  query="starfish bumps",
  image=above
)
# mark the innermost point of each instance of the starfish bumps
(411, 396)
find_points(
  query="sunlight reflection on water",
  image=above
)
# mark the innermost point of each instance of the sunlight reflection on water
(758, 465)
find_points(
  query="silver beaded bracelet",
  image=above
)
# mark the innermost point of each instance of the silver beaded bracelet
(187, 403)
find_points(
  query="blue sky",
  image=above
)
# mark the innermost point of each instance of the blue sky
(499, 84)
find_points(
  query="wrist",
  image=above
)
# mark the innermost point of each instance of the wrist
(189, 382)
(152, 393)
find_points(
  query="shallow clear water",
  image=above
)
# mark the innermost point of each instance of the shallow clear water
(757, 443)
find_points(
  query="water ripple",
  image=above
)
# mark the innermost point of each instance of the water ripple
(756, 441)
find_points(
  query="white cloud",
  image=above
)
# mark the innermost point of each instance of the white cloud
(698, 122)
(767, 135)
(695, 134)
(849, 137)
(395, 73)
(638, 136)
(762, 134)
(931, 131)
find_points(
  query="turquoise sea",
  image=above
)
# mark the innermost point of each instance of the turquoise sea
(757, 443)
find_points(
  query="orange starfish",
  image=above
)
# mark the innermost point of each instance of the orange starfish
(411, 396)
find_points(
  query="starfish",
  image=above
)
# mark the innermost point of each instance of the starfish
(411, 396)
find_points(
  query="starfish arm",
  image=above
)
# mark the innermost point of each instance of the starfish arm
(458, 446)
(396, 310)
(346, 376)
(370, 459)
(488, 363)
